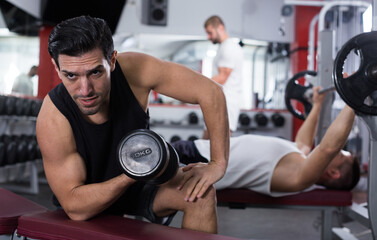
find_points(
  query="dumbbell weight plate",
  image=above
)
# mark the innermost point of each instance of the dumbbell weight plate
(2, 105)
(193, 118)
(261, 119)
(2, 154)
(175, 138)
(35, 106)
(244, 119)
(22, 151)
(171, 169)
(278, 119)
(142, 154)
(10, 153)
(10, 105)
(19, 106)
(192, 138)
(26, 107)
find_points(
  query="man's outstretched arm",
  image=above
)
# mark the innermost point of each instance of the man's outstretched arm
(332, 143)
(295, 172)
(306, 134)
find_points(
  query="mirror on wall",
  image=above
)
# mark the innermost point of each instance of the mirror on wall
(265, 71)
(19, 58)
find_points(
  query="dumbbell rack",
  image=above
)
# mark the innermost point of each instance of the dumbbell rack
(18, 127)
(186, 122)
(176, 121)
(263, 122)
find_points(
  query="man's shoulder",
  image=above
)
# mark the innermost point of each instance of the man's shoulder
(231, 47)
(131, 57)
(49, 112)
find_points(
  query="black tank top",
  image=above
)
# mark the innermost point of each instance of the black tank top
(97, 144)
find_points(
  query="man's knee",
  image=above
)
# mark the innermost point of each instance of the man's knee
(207, 201)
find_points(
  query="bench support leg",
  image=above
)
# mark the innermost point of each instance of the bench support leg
(327, 224)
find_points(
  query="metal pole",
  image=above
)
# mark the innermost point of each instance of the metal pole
(372, 171)
(374, 15)
(371, 122)
(311, 44)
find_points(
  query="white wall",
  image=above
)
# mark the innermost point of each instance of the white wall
(252, 19)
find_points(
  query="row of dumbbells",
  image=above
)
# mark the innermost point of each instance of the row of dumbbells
(17, 106)
(18, 149)
(191, 119)
(261, 119)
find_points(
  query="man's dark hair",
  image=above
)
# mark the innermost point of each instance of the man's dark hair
(79, 35)
(214, 21)
(349, 176)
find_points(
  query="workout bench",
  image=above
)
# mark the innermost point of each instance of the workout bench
(55, 225)
(326, 201)
(12, 206)
(34, 221)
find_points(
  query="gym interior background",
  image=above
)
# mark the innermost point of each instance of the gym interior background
(279, 37)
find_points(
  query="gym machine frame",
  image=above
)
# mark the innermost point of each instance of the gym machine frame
(365, 214)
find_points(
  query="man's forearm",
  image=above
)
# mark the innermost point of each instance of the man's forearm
(337, 134)
(216, 118)
(306, 133)
(89, 200)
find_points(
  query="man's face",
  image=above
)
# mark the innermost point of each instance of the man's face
(341, 158)
(87, 80)
(212, 34)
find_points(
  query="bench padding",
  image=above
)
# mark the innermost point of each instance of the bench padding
(317, 197)
(12, 206)
(56, 225)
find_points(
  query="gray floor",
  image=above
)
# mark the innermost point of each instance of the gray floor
(251, 223)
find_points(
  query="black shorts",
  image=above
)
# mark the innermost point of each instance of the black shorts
(138, 200)
(187, 152)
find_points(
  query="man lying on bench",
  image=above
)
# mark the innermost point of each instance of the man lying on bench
(277, 167)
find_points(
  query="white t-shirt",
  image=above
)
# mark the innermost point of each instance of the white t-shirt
(23, 84)
(252, 160)
(230, 55)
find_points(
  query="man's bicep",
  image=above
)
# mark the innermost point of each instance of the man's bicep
(64, 173)
(63, 166)
(225, 71)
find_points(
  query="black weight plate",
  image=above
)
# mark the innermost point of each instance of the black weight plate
(278, 119)
(2, 105)
(10, 105)
(244, 119)
(2, 154)
(360, 86)
(295, 91)
(170, 170)
(19, 106)
(261, 119)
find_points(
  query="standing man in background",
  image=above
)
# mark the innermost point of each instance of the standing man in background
(227, 68)
(23, 83)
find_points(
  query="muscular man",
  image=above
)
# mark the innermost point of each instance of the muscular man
(227, 68)
(277, 167)
(104, 95)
